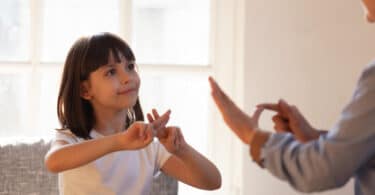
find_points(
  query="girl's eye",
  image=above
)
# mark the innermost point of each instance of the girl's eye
(110, 72)
(131, 66)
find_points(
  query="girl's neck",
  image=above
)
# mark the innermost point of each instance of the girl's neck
(110, 122)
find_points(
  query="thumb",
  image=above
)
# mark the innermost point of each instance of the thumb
(256, 115)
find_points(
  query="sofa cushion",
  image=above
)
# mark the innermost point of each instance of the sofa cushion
(22, 172)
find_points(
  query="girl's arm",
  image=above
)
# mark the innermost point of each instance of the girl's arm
(64, 156)
(186, 164)
(192, 168)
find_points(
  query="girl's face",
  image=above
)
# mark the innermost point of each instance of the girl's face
(112, 86)
(369, 6)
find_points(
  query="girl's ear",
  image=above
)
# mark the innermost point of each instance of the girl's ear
(84, 90)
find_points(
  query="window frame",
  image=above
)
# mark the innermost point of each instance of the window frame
(226, 57)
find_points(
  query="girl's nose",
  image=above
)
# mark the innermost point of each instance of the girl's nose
(125, 77)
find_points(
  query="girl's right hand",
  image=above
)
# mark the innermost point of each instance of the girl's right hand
(140, 134)
(137, 136)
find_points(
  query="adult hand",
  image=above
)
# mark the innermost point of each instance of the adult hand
(289, 119)
(239, 122)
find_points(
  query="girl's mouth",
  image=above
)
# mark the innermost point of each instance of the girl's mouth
(127, 91)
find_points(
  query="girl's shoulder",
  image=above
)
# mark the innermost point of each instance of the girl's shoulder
(66, 135)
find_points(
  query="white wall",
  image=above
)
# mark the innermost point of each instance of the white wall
(309, 52)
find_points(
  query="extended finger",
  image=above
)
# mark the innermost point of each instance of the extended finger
(257, 113)
(162, 120)
(220, 98)
(269, 106)
(155, 113)
(150, 118)
(214, 86)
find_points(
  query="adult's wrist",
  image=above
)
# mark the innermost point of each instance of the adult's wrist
(257, 142)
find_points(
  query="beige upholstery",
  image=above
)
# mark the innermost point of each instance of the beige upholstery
(22, 172)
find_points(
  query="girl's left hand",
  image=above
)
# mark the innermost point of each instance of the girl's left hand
(171, 137)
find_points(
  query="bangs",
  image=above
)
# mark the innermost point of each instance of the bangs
(98, 51)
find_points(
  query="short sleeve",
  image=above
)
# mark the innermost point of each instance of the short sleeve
(162, 155)
(66, 135)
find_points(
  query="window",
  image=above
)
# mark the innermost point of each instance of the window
(177, 45)
(15, 30)
(171, 32)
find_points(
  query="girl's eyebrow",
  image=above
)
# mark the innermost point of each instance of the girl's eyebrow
(106, 66)
(109, 65)
(114, 65)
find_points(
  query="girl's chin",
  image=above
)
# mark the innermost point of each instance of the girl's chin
(129, 104)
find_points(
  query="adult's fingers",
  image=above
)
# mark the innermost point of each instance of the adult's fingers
(269, 106)
(297, 114)
(281, 125)
(286, 109)
(214, 86)
(257, 113)
(220, 98)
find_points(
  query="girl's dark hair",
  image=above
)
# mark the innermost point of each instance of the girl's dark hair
(85, 56)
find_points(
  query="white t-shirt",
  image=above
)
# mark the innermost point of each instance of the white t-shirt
(118, 173)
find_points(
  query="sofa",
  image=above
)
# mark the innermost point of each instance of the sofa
(22, 172)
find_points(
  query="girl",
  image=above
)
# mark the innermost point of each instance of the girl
(101, 149)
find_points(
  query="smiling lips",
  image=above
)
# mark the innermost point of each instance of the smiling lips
(127, 91)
